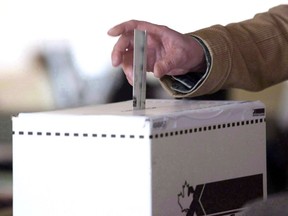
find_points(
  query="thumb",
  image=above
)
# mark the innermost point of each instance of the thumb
(163, 67)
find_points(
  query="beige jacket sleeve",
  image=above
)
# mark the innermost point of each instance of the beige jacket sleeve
(250, 55)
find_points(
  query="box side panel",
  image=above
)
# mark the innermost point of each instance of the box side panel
(83, 174)
(209, 170)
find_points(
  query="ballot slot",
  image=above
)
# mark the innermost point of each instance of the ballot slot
(139, 69)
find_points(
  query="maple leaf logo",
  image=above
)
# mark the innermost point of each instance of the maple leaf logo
(185, 198)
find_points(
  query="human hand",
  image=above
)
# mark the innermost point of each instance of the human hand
(168, 52)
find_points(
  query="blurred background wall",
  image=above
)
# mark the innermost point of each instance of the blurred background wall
(55, 54)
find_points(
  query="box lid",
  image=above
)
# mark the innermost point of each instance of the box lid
(158, 115)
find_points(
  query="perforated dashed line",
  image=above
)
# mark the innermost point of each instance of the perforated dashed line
(208, 128)
(66, 134)
(154, 136)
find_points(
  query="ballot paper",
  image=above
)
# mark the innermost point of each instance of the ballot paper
(139, 69)
(173, 158)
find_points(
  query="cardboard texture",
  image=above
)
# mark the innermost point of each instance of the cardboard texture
(174, 158)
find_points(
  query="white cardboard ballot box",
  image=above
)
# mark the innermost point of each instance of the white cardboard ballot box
(174, 158)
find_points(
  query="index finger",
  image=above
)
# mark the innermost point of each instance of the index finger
(129, 26)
